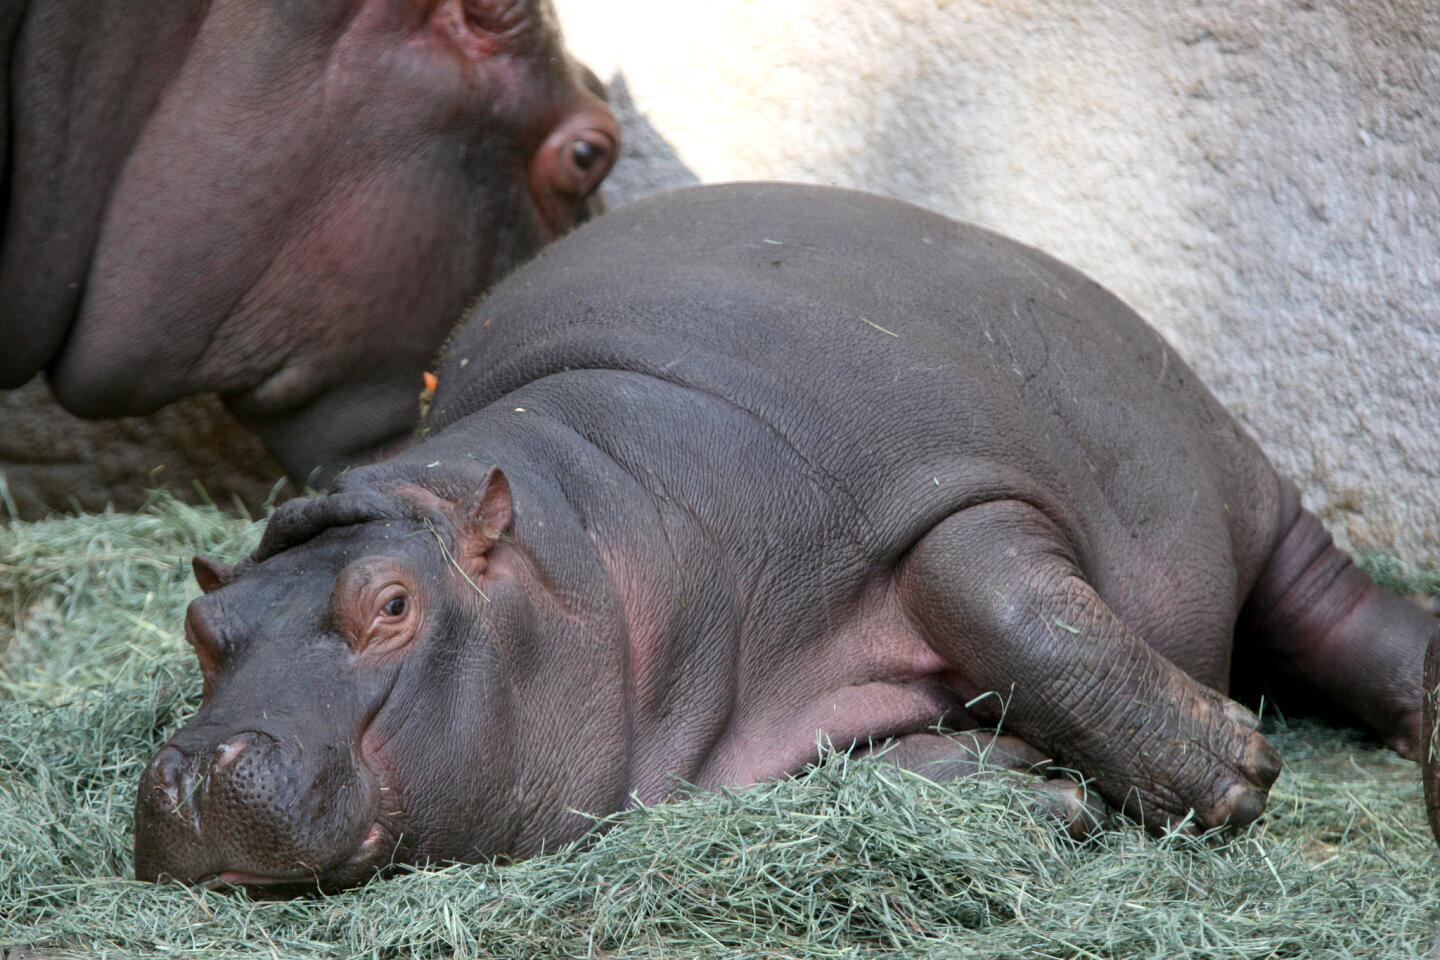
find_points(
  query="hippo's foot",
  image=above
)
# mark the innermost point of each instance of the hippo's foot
(940, 757)
(998, 594)
(1326, 640)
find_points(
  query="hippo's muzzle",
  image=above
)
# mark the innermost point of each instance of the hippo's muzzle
(251, 809)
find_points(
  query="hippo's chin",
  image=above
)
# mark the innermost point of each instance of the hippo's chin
(372, 857)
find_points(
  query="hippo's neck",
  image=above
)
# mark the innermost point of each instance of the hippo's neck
(80, 80)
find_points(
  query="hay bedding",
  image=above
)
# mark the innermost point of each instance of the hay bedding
(852, 860)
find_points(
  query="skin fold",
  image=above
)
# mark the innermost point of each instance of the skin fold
(287, 204)
(739, 467)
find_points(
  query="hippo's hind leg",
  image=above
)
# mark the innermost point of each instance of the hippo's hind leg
(1320, 637)
(999, 594)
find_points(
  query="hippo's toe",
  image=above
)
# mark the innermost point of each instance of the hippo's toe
(1079, 810)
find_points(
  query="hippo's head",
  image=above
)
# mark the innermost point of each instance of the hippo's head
(375, 678)
(318, 193)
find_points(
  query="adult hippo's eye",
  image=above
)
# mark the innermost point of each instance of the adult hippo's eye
(570, 165)
(591, 155)
(586, 155)
(395, 602)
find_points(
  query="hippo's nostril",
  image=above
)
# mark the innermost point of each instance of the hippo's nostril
(168, 775)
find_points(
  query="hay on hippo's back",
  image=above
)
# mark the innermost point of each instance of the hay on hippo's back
(850, 861)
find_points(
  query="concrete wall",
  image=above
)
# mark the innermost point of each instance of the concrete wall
(1260, 178)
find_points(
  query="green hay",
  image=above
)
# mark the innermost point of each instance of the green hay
(852, 860)
(1401, 576)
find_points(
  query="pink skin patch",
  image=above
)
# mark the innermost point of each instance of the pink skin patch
(226, 754)
(372, 838)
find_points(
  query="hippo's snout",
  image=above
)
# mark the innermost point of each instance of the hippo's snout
(250, 806)
(237, 777)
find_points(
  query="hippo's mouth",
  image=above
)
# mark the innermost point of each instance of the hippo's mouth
(373, 855)
(233, 879)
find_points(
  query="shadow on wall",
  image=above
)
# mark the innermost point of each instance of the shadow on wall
(648, 162)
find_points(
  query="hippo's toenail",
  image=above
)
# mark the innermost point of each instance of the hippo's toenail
(1240, 807)
(1240, 714)
(1262, 762)
(1069, 802)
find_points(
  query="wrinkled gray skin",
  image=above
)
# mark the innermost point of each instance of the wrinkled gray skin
(736, 467)
(288, 204)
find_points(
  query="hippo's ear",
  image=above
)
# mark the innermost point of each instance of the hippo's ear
(484, 516)
(210, 574)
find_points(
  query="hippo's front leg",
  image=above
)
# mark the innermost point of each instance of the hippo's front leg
(1000, 595)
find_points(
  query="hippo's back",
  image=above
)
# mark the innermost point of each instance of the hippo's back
(921, 364)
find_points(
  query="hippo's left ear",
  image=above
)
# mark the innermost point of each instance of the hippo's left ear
(484, 517)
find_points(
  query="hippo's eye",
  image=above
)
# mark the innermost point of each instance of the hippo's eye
(586, 155)
(591, 157)
(376, 608)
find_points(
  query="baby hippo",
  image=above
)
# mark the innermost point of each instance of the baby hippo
(739, 467)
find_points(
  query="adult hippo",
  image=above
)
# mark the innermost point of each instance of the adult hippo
(288, 204)
(738, 467)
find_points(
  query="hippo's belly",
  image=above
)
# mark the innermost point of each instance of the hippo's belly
(871, 678)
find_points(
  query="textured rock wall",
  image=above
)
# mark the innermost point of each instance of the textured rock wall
(1260, 178)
